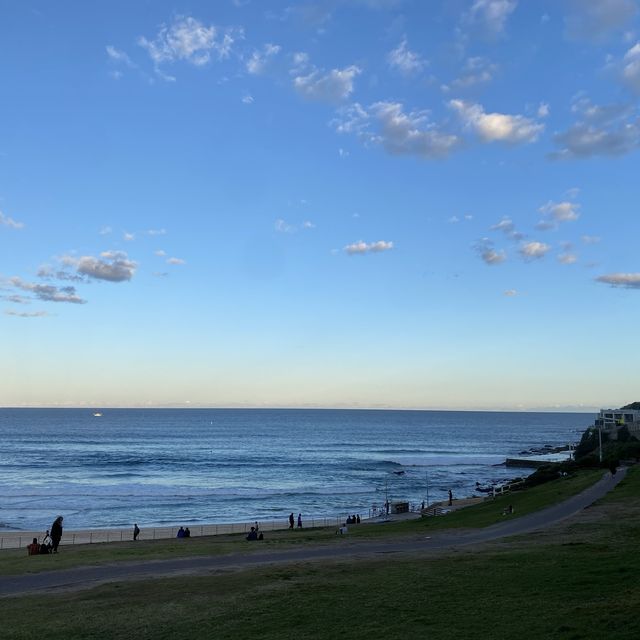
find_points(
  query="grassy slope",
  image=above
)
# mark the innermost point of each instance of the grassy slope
(14, 562)
(575, 585)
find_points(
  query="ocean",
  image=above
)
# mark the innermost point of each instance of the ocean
(161, 467)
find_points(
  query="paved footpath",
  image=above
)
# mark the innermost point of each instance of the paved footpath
(344, 548)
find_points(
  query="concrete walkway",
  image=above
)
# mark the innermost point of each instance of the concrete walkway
(344, 548)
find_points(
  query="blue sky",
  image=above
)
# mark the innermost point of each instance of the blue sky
(337, 203)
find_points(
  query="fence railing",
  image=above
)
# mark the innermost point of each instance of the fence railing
(24, 538)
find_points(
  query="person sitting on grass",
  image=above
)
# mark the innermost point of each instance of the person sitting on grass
(33, 549)
(253, 534)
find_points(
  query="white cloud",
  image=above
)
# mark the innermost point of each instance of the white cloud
(47, 292)
(361, 247)
(624, 280)
(608, 130)
(488, 254)
(10, 222)
(161, 252)
(590, 239)
(176, 261)
(156, 232)
(561, 211)
(260, 59)
(105, 231)
(511, 293)
(113, 266)
(189, 40)
(597, 19)
(491, 14)
(497, 127)
(333, 86)
(307, 224)
(534, 250)
(128, 237)
(567, 258)
(404, 60)
(507, 226)
(398, 132)
(572, 193)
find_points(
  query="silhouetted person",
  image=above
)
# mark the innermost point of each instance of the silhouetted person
(357, 518)
(450, 497)
(187, 533)
(291, 521)
(299, 521)
(56, 533)
(180, 533)
(136, 531)
(253, 534)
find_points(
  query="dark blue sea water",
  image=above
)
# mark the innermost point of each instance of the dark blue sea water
(192, 466)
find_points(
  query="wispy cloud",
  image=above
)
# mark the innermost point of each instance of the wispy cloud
(332, 86)
(399, 132)
(623, 280)
(26, 314)
(176, 261)
(10, 222)
(404, 60)
(507, 226)
(490, 15)
(47, 292)
(600, 130)
(189, 40)
(260, 58)
(361, 247)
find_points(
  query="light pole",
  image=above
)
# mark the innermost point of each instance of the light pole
(600, 442)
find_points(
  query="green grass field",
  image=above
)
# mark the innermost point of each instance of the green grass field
(576, 582)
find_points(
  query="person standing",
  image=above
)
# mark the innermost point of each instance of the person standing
(136, 531)
(299, 521)
(450, 498)
(291, 520)
(56, 533)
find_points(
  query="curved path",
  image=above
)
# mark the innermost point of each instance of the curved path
(87, 577)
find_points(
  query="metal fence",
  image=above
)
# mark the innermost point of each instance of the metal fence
(24, 538)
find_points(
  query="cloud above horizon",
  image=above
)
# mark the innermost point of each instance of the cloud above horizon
(622, 280)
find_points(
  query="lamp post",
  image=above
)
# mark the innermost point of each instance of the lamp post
(600, 442)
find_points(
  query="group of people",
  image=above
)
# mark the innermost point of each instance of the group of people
(255, 533)
(292, 521)
(353, 519)
(50, 540)
(183, 533)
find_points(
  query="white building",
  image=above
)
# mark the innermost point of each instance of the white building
(611, 419)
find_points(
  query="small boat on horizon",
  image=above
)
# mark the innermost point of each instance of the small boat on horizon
(97, 414)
